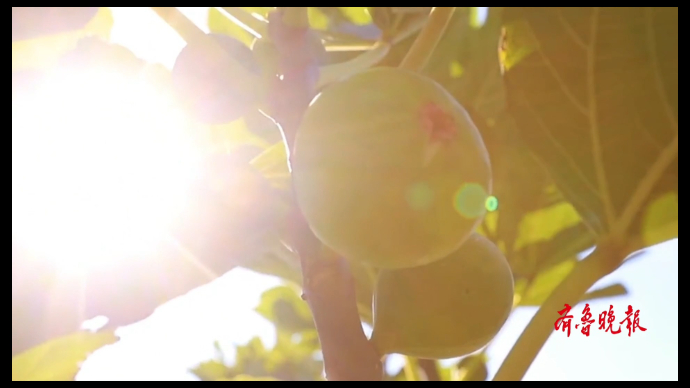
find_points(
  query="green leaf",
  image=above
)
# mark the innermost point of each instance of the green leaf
(291, 359)
(547, 281)
(236, 133)
(317, 19)
(59, 359)
(473, 368)
(594, 93)
(248, 378)
(357, 15)
(219, 23)
(212, 370)
(285, 308)
(273, 165)
(279, 262)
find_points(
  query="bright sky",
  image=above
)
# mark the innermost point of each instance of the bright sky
(181, 333)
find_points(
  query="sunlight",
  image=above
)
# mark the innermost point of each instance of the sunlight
(100, 164)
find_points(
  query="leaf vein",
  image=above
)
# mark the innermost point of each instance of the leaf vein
(569, 29)
(651, 42)
(569, 94)
(597, 151)
(562, 150)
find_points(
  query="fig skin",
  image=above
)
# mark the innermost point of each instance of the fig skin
(363, 177)
(267, 55)
(210, 92)
(94, 52)
(450, 308)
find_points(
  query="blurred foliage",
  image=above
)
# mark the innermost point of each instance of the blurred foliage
(58, 359)
(295, 356)
(526, 76)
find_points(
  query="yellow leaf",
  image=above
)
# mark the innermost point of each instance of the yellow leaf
(236, 133)
(660, 221)
(45, 51)
(517, 42)
(317, 19)
(357, 15)
(544, 284)
(544, 224)
(59, 359)
(249, 378)
(273, 165)
(220, 23)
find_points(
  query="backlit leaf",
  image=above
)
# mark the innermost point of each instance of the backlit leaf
(41, 51)
(285, 308)
(59, 359)
(594, 92)
(220, 23)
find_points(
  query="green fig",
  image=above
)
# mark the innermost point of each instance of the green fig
(207, 86)
(389, 169)
(446, 309)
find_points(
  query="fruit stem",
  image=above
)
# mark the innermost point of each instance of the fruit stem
(605, 258)
(428, 38)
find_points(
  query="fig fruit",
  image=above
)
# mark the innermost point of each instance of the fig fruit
(207, 87)
(267, 55)
(389, 169)
(94, 52)
(446, 309)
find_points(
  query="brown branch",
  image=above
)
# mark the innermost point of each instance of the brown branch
(329, 286)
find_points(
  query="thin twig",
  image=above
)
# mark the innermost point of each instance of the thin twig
(246, 21)
(428, 39)
(180, 23)
(645, 187)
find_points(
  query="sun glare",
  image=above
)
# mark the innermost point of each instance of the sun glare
(100, 164)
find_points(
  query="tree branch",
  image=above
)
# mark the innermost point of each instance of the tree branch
(184, 27)
(428, 39)
(606, 257)
(328, 284)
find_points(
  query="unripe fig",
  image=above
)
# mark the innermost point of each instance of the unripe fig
(208, 88)
(389, 169)
(267, 54)
(446, 309)
(93, 52)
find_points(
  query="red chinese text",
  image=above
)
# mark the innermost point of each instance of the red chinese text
(564, 321)
(607, 319)
(633, 324)
(586, 320)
